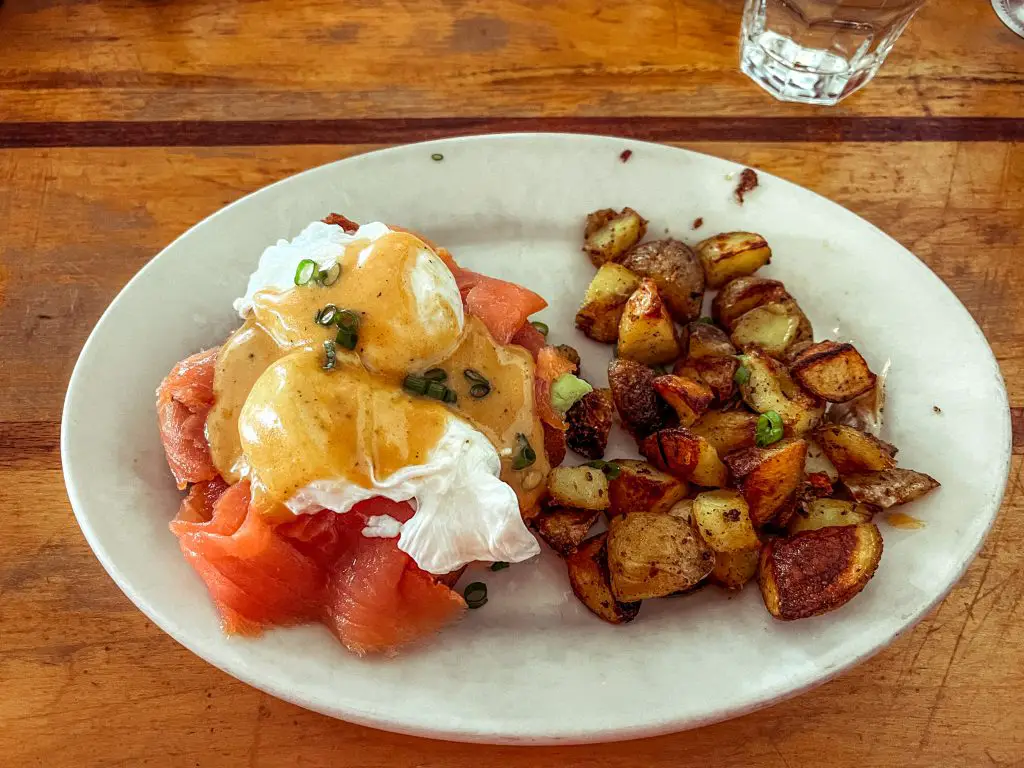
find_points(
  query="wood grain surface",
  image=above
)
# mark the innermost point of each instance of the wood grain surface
(124, 123)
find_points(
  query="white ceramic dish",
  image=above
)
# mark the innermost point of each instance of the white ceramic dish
(534, 666)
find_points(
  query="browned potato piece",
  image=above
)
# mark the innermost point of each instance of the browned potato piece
(707, 340)
(683, 509)
(589, 578)
(687, 455)
(818, 571)
(773, 328)
(890, 487)
(734, 569)
(688, 398)
(677, 271)
(722, 518)
(590, 421)
(641, 487)
(731, 255)
(653, 555)
(563, 529)
(554, 444)
(827, 513)
(578, 487)
(769, 387)
(742, 295)
(646, 331)
(599, 315)
(818, 463)
(769, 476)
(832, 371)
(641, 410)
(608, 234)
(719, 373)
(727, 431)
(851, 450)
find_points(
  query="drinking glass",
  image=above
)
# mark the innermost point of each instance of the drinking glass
(819, 51)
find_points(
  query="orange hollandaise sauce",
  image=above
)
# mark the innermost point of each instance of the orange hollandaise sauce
(286, 420)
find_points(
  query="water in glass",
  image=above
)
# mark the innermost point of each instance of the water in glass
(819, 51)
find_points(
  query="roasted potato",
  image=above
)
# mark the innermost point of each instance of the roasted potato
(608, 234)
(743, 294)
(564, 529)
(687, 455)
(815, 572)
(677, 272)
(769, 477)
(683, 509)
(641, 410)
(689, 399)
(727, 431)
(599, 315)
(890, 487)
(590, 421)
(864, 412)
(719, 373)
(773, 328)
(723, 520)
(554, 444)
(818, 462)
(653, 555)
(851, 450)
(646, 331)
(640, 487)
(589, 579)
(832, 371)
(731, 255)
(707, 340)
(578, 487)
(769, 387)
(827, 513)
(734, 569)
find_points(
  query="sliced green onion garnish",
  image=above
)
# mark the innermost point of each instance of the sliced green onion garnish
(542, 327)
(769, 429)
(330, 355)
(417, 385)
(475, 594)
(436, 390)
(437, 157)
(566, 390)
(499, 566)
(436, 374)
(305, 271)
(481, 386)
(742, 375)
(526, 455)
(475, 377)
(450, 397)
(347, 338)
(346, 318)
(707, 320)
(479, 390)
(327, 315)
(330, 275)
(610, 468)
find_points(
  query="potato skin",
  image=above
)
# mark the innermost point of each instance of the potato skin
(815, 572)
(677, 272)
(590, 422)
(641, 410)
(743, 294)
(564, 529)
(889, 488)
(832, 371)
(590, 582)
(731, 255)
(707, 340)
(727, 431)
(689, 398)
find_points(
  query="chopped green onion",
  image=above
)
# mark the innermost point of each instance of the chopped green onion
(499, 566)
(327, 315)
(707, 320)
(479, 390)
(542, 327)
(420, 385)
(481, 386)
(330, 275)
(742, 375)
(566, 390)
(437, 157)
(436, 374)
(417, 385)
(305, 271)
(475, 377)
(450, 397)
(526, 455)
(330, 356)
(769, 429)
(436, 390)
(610, 468)
(347, 338)
(346, 318)
(475, 594)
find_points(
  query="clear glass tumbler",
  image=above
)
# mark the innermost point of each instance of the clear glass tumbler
(819, 51)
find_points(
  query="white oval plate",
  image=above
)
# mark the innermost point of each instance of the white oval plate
(534, 666)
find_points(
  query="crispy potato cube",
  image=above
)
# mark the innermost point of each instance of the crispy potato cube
(653, 555)
(641, 487)
(832, 371)
(599, 315)
(564, 529)
(769, 387)
(734, 569)
(646, 331)
(818, 571)
(677, 272)
(590, 422)
(743, 294)
(827, 513)
(769, 477)
(685, 454)
(589, 579)
(773, 328)
(579, 487)
(722, 518)
(890, 487)
(707, 340)
(727, 431)
(731, 255)
(554, 444)
(719, 373)
(608, 234)
(641, 410)
(851, 450)
(688, 398)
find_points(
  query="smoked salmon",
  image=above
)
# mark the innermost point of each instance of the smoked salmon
(503, 307)
(183, 401)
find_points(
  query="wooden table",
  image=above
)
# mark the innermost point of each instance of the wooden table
(123, 123)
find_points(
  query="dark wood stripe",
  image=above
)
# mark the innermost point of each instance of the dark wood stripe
(401, 130)
(29, 445)
(1017, 429)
